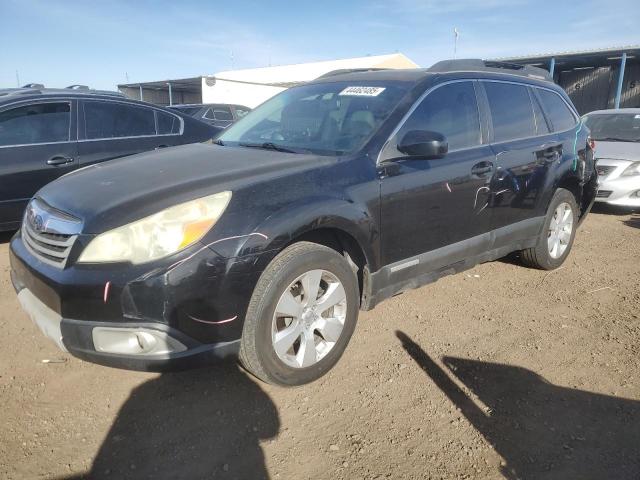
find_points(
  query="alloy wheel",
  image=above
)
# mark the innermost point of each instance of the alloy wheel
(560, 230)
(309, 318)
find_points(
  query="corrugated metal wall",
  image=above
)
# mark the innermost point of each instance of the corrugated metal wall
(595, 89)
(161, 97)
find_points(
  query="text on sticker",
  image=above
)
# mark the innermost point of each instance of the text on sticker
(363, 91)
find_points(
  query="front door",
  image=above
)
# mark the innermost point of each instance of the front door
(440, 205)
(37, 145)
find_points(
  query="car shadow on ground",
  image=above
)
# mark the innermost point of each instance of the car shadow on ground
(607, 209)
(5, 237)
(634, 221)
(194, 424)
(541, 430)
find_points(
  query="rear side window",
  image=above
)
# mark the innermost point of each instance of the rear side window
(558, 112)
(450, 110)
(511, 111)
(117, 120)
(167, 124)
(38, 123)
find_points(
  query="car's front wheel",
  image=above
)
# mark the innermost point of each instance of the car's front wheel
(301, 315)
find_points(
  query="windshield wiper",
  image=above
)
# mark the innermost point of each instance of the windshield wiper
(268, 146)
(219, 142)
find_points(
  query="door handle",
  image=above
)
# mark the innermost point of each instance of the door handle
(59, 160)
(482, 168)
(161, 146)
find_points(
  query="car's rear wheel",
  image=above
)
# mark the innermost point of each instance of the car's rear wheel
(301, 315)
(556, 238)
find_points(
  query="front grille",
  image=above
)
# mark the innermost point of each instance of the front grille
(604, 193)
(604, 170)
(51, 248)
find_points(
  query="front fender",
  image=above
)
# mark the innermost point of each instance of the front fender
(286, 224)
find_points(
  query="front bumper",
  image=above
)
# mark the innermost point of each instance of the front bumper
(195, 300)
(615, 189)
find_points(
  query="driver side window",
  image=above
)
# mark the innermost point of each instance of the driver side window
(450, 110)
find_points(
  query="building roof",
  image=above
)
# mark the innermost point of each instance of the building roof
(287, 75)
(601, 56)
(192, 84)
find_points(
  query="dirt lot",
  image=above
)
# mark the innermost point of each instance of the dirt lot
(500, 372)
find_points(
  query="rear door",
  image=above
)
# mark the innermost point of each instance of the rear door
(526, 152)
(37, 145)
(113, 129)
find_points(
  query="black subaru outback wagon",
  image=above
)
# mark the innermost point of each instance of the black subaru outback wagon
(327, 199)
(46, 133)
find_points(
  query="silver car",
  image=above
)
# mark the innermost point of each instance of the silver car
(617, 151)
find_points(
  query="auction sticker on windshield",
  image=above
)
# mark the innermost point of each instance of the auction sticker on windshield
(363, 91)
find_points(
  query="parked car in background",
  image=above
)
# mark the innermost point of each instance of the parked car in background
(328, 198)
(217, 114)
(46, 133)
(617, 137)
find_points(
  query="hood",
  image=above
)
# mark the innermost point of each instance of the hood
(110, 194)
(618, 150)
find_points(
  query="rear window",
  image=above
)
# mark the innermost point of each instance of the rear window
(241, 111)
(614, 127)
(511, 111)
(557, 111)
(38, 123)
(117, 120)
(219, 113)
(191, 111)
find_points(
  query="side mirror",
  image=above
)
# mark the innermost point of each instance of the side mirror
(424, 144)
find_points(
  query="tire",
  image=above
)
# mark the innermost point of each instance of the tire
(266, 326)
(542, 255)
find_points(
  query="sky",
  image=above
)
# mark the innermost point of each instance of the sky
(102, 44)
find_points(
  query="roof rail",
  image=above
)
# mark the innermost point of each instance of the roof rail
(476, 64)
(78, 87)
(35, 90)
(33, 85)
(333, 73)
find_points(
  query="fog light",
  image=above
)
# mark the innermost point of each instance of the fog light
(134, 341)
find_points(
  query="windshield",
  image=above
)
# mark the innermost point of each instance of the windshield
(325, 118)
(614, 127)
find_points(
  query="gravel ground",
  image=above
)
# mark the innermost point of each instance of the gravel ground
(498, 372)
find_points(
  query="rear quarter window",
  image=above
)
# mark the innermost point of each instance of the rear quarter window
(168, 124)
(557, 111)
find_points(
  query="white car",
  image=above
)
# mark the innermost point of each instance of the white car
(617, 152)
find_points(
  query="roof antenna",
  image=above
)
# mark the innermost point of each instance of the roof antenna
(456, 34)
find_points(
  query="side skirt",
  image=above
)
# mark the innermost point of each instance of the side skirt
(428, 267)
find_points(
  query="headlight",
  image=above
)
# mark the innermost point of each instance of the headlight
(633, 169)
(157, 235)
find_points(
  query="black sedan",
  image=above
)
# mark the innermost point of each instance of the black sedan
(46, 133)
(216, 114)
